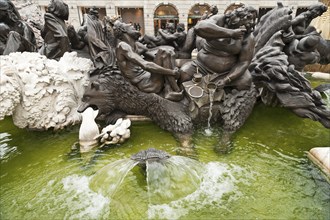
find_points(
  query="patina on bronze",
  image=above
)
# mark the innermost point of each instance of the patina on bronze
(237, 63)
(15, 34)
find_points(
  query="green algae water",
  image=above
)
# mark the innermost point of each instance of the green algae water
(265, 175)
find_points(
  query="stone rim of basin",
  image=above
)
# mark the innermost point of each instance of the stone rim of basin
(320, 156)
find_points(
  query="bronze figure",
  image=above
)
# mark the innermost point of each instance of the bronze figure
(54, 32)
(15, 34)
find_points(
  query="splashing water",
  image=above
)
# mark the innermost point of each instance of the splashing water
(177, 187)
(211, 88)
(172, 179)
(208, 132)
(40, 181)
(91, 204)
(6, 151)
(109, 178)
(217, 181)
(74, 197)
(168, 178)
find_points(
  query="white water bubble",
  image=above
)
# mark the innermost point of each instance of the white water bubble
(69, 198)
(6, 151)
(84, 203)
(208, 132)
(218, 180)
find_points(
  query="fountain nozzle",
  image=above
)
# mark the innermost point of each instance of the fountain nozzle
(211, 86)
(150, 155)
(197, 79)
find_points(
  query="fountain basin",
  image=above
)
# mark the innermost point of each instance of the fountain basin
(265, 175)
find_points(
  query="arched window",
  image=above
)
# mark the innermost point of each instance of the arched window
(165, 13)
(196, 12)
(233, 6)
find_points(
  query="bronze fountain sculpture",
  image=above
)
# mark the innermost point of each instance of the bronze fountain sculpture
(15, 34)
(54, 31)
(238, 60)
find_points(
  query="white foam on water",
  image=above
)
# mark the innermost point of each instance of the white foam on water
(68, 198)
(109, 178)
(6, 151)
(208, 132)
(84, 203)
(217, 180)
(172, 179)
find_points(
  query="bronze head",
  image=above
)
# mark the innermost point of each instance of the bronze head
(242, 16)
(8, 12)
(120, 29)
(317, 9)
(59, 9)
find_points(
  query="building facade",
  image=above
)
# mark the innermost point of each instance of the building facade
(149, 15)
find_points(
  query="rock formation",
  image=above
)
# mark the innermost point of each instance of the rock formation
(40, 93)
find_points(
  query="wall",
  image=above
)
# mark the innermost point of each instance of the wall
(149, 7)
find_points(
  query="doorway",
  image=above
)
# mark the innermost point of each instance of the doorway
(164, 14)
(134, 16)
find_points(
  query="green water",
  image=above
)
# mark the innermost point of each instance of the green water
(266, 175)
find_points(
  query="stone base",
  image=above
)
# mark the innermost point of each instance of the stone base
(320, 156)
(319, 75)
